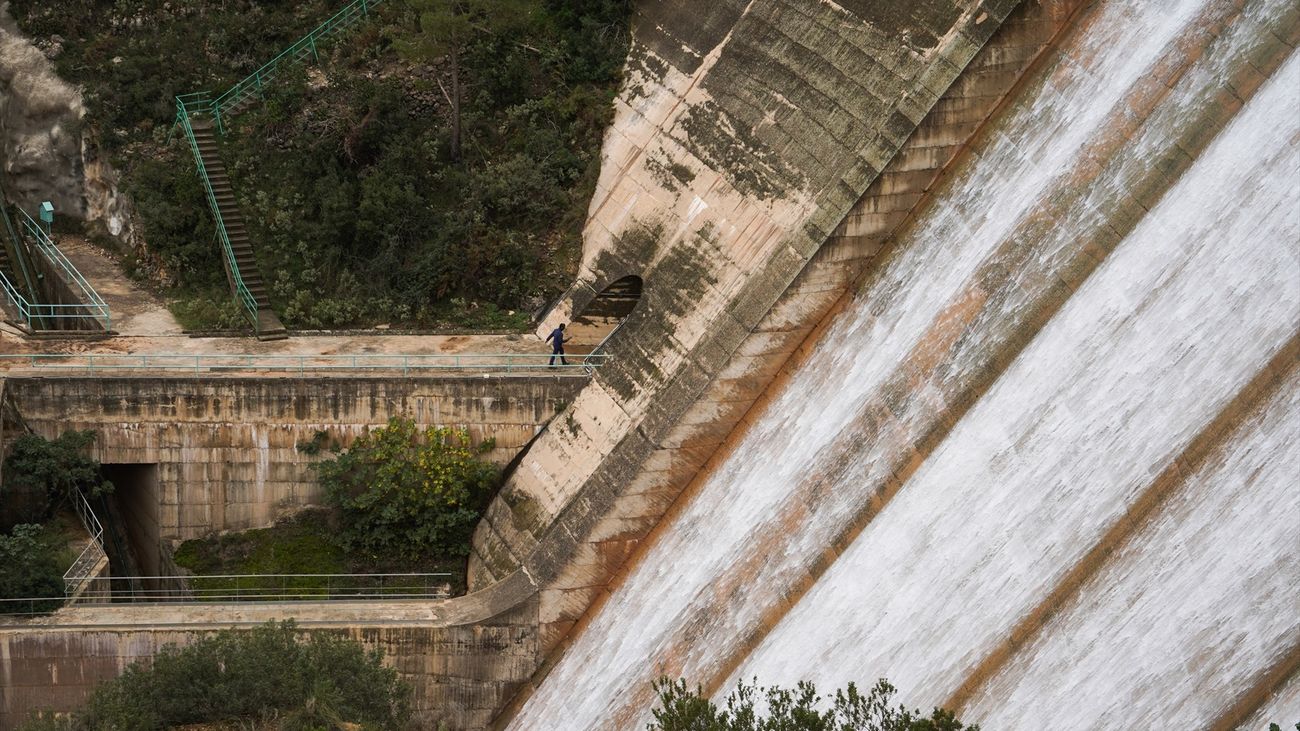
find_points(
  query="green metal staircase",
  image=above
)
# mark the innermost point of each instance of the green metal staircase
(203, 117)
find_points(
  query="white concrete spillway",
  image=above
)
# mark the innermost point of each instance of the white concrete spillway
(829, 547)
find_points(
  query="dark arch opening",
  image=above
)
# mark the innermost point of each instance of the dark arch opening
(602, 316)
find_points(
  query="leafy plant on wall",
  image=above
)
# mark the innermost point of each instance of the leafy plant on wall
(403, 491)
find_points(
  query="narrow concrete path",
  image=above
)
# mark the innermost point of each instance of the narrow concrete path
(146, 327)
(135, 311)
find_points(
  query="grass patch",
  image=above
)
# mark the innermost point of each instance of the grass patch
(302, 544)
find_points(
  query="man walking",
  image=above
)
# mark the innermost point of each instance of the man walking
(557, 339)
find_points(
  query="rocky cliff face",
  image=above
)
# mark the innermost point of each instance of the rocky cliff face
(46, 153)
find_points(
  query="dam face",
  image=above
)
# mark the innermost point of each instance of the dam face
(957, 344)
(1041, 470)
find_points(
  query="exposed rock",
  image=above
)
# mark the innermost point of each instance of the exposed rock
(40, 126)
(46, 151)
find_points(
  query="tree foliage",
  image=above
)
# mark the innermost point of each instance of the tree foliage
(434, 169)
(797, 709)
(269, 672)
(41, 474)
(406, 492)
(29, 567)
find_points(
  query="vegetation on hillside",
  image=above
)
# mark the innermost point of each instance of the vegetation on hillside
(40, 479)
(751, 708)
(435, 168)
(270, 675)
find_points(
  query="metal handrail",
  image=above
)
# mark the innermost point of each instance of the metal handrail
(74, 578)
(242, 292)
(92, 363)
(266, 587)
(227, 103)
(91, 301)
(32, 313)
(15, 245)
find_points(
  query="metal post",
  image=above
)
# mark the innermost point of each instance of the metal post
(313, 49)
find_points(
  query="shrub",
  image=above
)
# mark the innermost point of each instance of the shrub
(322, 681)
(29, 567)
(404, 492)
(798, 709)
(41, 474)
(359, 211)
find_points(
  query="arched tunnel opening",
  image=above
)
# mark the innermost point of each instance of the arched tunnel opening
(603, 315)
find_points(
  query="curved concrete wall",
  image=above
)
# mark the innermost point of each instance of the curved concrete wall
(761, 154)
(741, 140)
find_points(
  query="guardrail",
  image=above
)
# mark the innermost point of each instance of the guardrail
(265, 588)
(224, 106)
(302, 365)
(183, 114)
(232, 588)
(37, 316)
(77, 574)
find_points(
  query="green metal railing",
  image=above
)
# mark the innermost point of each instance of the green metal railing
(302, 365)
(229, 103)
(222, 108)
(38, 316)
(186, 107)
(17, 252)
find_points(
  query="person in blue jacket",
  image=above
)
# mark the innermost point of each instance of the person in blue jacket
(557, 340)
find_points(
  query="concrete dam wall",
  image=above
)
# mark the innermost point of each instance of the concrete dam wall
(929, 369)
(743, 247)
(1037, 470)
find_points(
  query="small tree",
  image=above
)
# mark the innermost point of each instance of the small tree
(40, 474)
(447, 27)
(798, 709)
(29, 567)
(406, 492)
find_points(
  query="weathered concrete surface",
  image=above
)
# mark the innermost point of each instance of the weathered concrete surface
(685, 418)
(463, 657)
(770, 125)
(227, 451)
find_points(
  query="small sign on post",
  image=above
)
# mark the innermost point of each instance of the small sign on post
(47, 216)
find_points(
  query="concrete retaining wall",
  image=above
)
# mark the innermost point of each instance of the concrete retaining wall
(227, 450)
(461, 667)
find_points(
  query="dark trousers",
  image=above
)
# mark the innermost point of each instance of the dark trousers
(558, 353)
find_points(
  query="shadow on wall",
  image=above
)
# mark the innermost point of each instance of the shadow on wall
(602, 316)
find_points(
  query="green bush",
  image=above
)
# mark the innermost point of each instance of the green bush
(798, 709)
(403, 492)
(40, 475)
(269, 672)
(29, 568)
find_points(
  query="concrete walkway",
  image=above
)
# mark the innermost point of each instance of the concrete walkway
(135, 311)
(146, 326)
